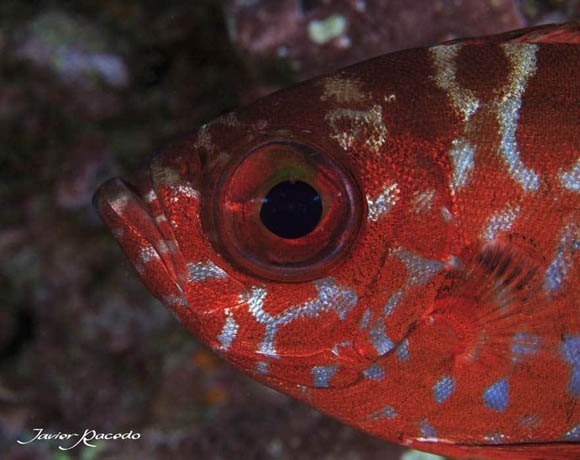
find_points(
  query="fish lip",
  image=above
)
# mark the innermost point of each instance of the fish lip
(113, 200)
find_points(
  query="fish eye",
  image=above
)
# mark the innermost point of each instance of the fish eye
(285, 211)
(291, 209)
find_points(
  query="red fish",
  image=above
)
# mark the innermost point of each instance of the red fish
(396, 244)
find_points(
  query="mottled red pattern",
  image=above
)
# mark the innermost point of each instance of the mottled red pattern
(452, 323)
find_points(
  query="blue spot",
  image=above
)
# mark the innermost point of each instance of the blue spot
(496, 396)
(443, 388)
(375, 372)
(322, 374)
(389, 412)
(427, 430)
(573, 434)
(570, 351)
(379, 338)
(403, 351)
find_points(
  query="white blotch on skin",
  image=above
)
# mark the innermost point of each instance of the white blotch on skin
(150, 196)
(201, 271)
(375, 372)
(186, 191)
(120, 202)
(446, 213)
(322, 374)
(379, 338)
(421, 270)
(229, 332)
(423, 201)
(523, 62)
(262, 368)
(570, 180)
(559, 268)
(501, 221)
(462, 156)
(392, 303)
(443, 388)
(147, 254)
(330, 297)
(464, 102)
(462, 99)
(383, 202)
(496, 396)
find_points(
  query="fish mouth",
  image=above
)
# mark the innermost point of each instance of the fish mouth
(136, 221)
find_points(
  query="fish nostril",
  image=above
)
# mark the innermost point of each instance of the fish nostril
(291, 209)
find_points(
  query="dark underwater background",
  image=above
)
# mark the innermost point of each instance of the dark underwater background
(88, 90)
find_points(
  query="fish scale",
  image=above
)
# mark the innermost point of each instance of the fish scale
(436, 302)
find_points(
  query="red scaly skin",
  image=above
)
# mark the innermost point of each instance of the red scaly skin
(448, 317)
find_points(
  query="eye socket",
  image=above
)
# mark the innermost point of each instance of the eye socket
(286, 211)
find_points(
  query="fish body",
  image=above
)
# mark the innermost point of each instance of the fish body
(434, 301)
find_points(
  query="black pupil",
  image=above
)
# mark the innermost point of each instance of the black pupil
(291, 209)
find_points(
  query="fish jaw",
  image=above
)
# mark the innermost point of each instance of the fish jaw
(148, 222)
(127, 214)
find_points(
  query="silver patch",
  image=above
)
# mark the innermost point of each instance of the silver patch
(175, 301)
(523, 62)
(367, 126)
(228, 333)
(150, 196)
(186, 191)
(462, 99)
(162, 247)
(560, 266)
(392, 303)
(337, 346)
(573, 434)
(330, 297)
(570, 352)
(379, 338)
(496, 438)
(364, 322)
(375, 372)
(383, 202)
(386, 412)
(501, 221)
(322, 374)
(446, 214)
(464, 102)
(443, 388)
(427, 431)
(120, 202)
(462, 156)
(423, 201)
(147, 254)
(161, 218)
(421, 270)
(201, 271)
(403, 350)
(571, 179)
(496, 396)
(262, 368)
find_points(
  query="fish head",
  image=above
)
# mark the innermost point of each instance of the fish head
(272, 231)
